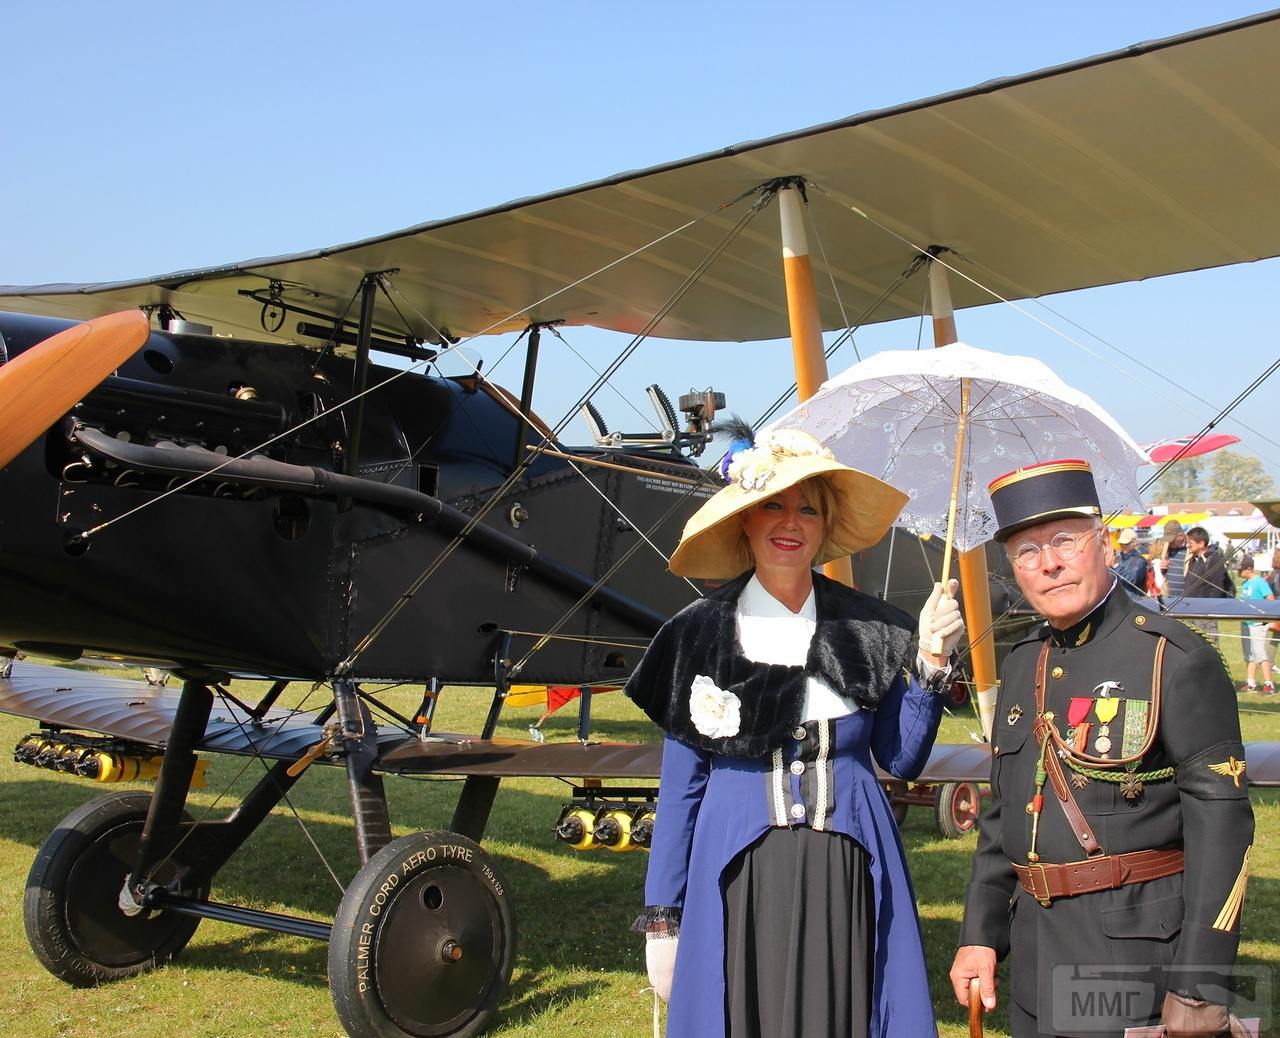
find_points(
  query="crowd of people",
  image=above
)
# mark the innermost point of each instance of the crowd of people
(778, 900)
(1187, 564)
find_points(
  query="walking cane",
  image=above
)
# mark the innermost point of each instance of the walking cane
(975, 1008)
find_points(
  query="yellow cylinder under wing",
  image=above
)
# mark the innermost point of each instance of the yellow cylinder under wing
(588, 822)
(623, 820)
(116, 767)
(644, 817)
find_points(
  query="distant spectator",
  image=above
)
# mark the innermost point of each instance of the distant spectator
(1206, 570)
(1130, 567)
(1169, 559)
(1254, 589)
(1273, 629)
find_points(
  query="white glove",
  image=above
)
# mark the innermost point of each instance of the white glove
(660, 958)
(940, 618)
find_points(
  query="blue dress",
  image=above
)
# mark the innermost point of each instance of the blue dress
(713, 807)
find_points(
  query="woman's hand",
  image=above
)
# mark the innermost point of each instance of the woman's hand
(940, 625)
(660, 958)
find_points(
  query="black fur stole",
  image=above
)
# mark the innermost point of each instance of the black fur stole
(861, 645)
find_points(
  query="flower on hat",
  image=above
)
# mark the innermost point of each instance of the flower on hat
(752, 469)
(717, 714)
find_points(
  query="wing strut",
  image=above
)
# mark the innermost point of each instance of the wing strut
(806, 322)
(974, 582)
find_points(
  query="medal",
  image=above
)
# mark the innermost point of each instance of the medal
(1078, 780)
(1014, 713)
(1078, 709)
(1080, 737)
(1135, 726)
(1131, 787)
(1106, 710)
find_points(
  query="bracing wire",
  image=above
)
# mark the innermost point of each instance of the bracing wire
(279, 724)
(415, 366)
(1030, 316)
(549, 440)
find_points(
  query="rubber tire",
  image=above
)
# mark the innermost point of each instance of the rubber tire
(896, 788)
(72, 920)
(952, 823)
(386, 916)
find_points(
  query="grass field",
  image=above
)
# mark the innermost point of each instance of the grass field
(579, 971)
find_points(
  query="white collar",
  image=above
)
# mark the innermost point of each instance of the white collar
(755, 600)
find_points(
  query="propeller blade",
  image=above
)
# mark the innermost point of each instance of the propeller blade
(43, 383)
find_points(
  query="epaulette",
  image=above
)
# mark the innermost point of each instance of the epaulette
(1182, 634)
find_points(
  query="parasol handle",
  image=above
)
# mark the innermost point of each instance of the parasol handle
(975, 1008)
(961, 428)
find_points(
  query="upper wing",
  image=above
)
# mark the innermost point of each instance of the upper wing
(1159, 158)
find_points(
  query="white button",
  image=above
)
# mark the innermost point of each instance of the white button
(797, 810)
(799, 733)
(797, 767)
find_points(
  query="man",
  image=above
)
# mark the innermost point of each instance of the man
(1254, 589)
(1130, 567)
(1206, 570)
(1113, 856)
(1170, 562)
(1206, 575)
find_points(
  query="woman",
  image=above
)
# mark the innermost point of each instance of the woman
(777, 895)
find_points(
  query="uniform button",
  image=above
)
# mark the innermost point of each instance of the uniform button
(797, 767)
(799, 733)
(1141, 621)
(996, 750)
(797, 810)
(1057, 672)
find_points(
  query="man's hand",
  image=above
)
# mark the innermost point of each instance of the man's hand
(940, 625)
(660, 958)
(1195, 1018)
(975, 960)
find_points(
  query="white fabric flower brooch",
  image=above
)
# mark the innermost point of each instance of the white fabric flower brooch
(717, 714)
(752, 468)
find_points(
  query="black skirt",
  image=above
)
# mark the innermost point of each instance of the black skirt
(799, 924)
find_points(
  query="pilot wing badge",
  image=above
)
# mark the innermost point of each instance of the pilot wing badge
(1230, 768)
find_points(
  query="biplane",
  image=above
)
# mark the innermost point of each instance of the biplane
(239, 490)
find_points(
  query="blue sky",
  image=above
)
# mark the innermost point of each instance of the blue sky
(143, 138)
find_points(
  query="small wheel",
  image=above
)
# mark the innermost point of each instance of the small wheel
(424, 941)
(73, 920)
(896, 791)
(957, 692)
(956, 806)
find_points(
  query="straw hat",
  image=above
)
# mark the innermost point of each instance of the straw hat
(712, 546)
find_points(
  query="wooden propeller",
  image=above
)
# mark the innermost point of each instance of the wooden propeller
(43, 383)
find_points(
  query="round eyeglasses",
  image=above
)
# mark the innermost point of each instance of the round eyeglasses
(1063, 545)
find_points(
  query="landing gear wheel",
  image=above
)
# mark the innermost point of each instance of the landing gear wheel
(956, 806)
(896, 791)
(71, 910)
(424, 941)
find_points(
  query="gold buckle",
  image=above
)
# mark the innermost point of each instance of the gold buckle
(1032, 869)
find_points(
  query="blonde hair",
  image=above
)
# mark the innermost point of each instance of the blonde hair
(817, 493)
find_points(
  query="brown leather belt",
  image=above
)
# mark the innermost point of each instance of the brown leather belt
(1105, 872)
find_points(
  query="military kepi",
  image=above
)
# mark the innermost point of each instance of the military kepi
(1036, 493)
